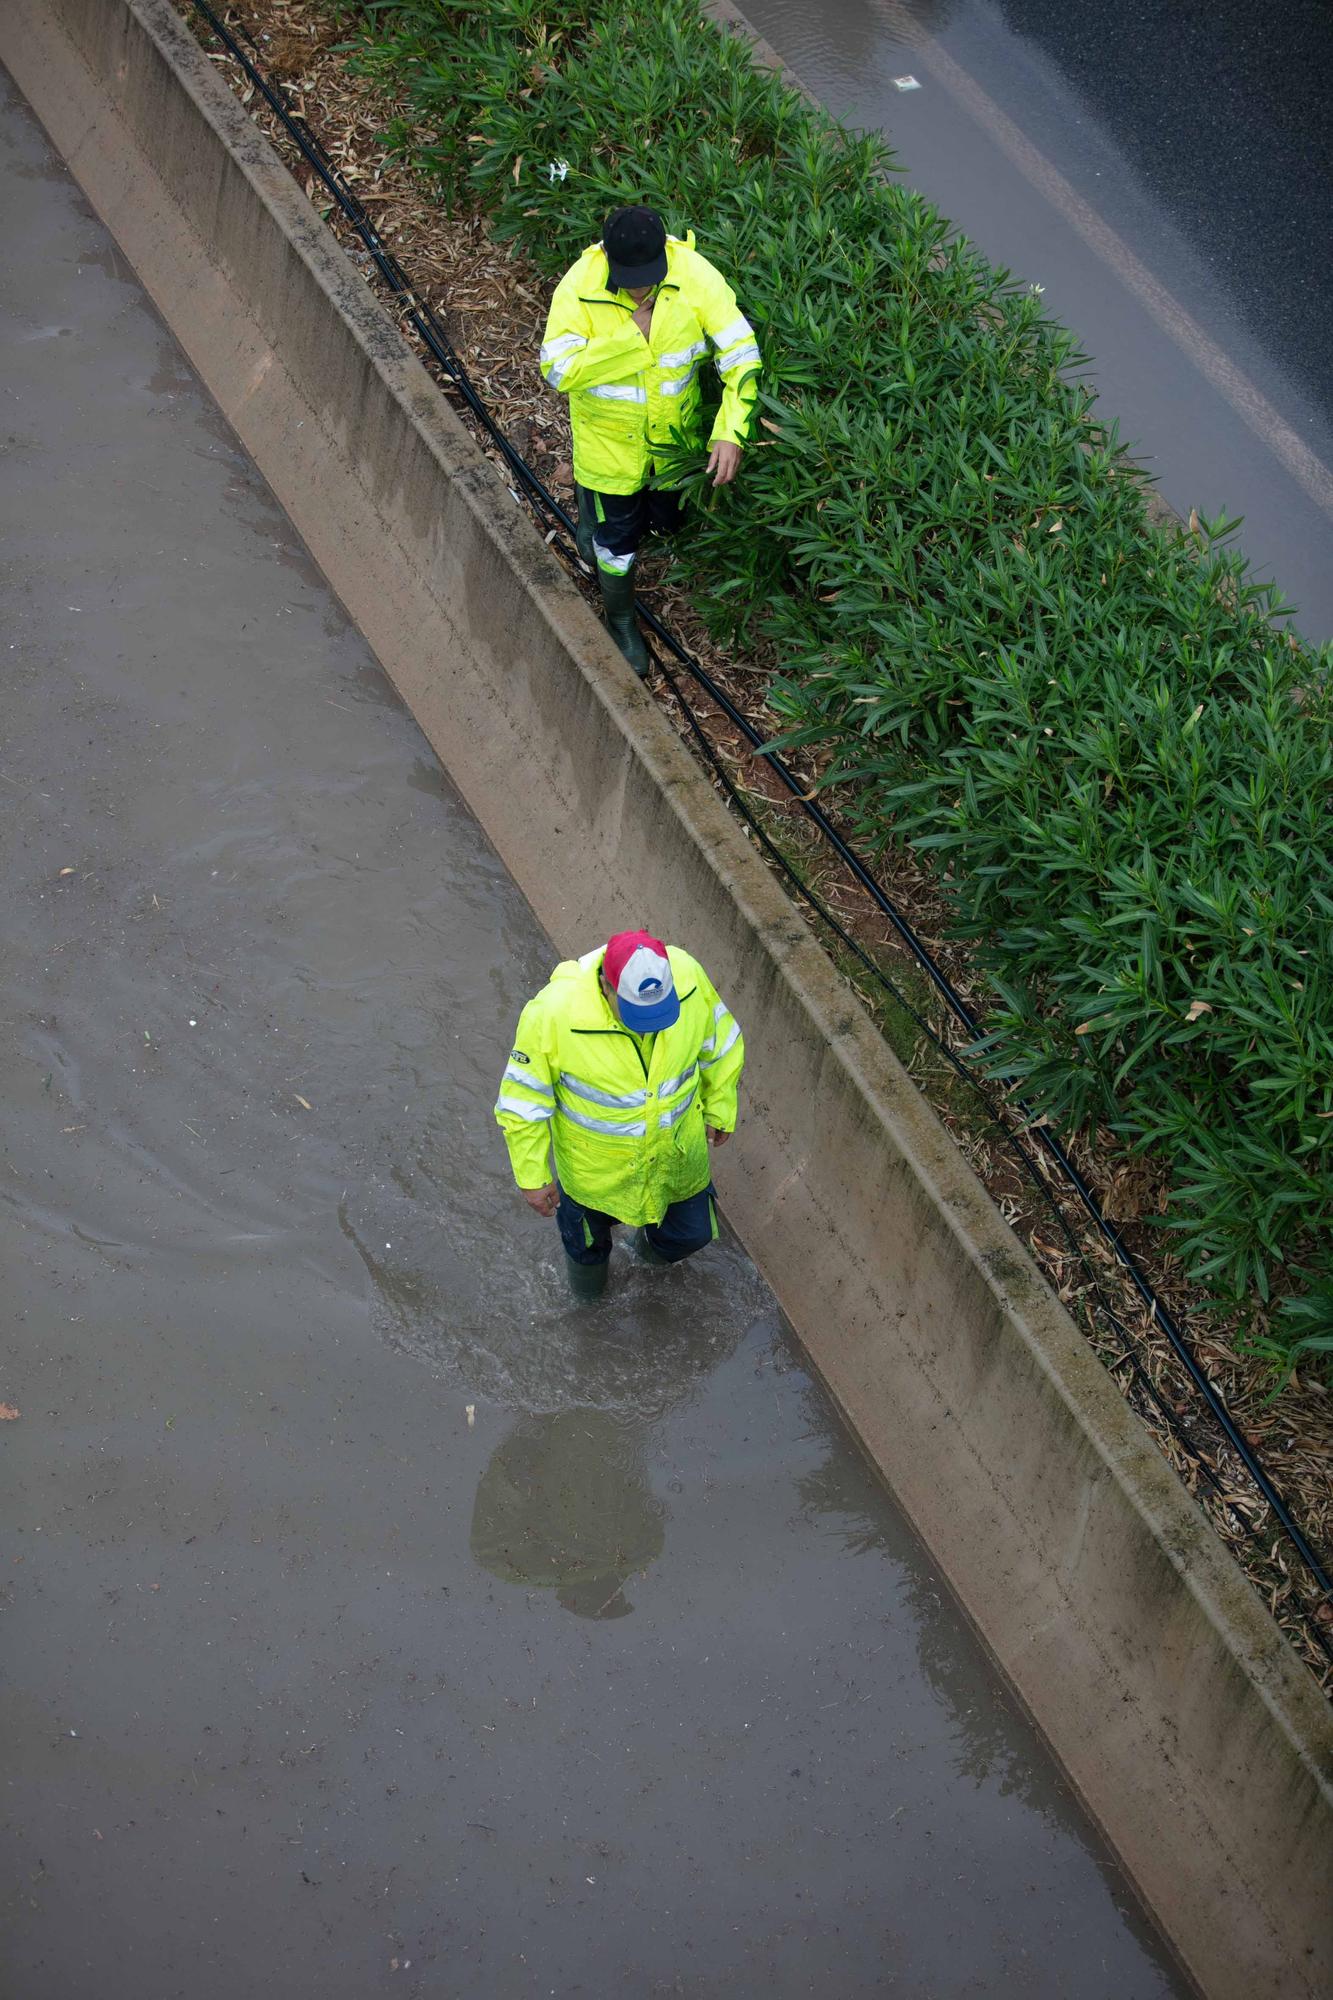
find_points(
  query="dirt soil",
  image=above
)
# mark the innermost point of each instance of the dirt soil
(493, 306)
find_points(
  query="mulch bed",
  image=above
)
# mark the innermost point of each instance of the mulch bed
(493, 308)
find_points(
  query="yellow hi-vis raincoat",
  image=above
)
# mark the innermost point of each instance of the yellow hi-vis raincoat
(628, 1123)
(628, 395)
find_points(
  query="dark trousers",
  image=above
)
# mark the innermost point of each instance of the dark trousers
(621, 520)
(685, 1228)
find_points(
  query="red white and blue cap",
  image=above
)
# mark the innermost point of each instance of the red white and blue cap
(639, 973)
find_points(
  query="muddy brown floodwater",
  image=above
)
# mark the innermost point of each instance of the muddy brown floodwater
(376, 1619)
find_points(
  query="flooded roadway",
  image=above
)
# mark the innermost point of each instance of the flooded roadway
(1166, 174)
(376, 1620)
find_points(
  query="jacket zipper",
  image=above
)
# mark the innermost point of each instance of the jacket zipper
(626, 1037)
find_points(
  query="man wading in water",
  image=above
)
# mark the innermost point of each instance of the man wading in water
(630, 1062)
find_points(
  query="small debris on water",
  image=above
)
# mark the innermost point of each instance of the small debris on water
(905, 83)
(471, 1415)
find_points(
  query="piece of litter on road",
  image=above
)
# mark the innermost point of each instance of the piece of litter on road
(68, 871)
(9, 1413)
(905, 83)
(304, 1102)
(471, 1415)
(193, 1022)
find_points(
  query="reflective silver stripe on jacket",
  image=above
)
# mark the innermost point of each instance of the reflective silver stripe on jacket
(556, 356)
(517, 1075)
(619, 392)
(681, 383)
(601, 1124)
(617, 565)
(682, 355)
(631, 1100)
(564, 343)
(536, 1114)
(739, 329)
(674, 1083)
(678, 1110)
(726, 362)
(729, 1044)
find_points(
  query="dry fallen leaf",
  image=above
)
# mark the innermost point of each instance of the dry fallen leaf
(8, 1412)
(1198, 1007)
(304, 1102)
(67, 871)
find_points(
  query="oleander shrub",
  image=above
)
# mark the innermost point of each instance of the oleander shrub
(1099, 726)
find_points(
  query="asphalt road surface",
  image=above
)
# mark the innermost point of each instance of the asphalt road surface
(1166, 172)
(375, 1619)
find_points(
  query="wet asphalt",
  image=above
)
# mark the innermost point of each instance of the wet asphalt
(375, 1619)
(1166, 173)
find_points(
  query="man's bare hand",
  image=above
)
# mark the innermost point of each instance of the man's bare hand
(724, 462)
(716, 1138)
(544, 1199)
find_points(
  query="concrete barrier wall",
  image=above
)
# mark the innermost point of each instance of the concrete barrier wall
(1193, 1735)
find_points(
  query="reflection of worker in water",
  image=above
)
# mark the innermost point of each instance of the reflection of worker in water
(630, 1060)
(564, 1505)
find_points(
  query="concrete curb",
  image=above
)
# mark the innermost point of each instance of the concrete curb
(1192, 1733)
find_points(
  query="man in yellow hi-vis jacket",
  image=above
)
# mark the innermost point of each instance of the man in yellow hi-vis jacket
(629, 1061)
(629, 327)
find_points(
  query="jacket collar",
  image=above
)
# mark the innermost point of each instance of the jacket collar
(590, 1013)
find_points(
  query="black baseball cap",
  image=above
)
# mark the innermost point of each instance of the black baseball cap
(634, 240)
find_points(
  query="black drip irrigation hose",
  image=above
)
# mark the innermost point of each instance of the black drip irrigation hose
(441, 349)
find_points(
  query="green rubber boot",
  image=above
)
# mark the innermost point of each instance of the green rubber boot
(586, 1281)
(618, 599)
(587, 521)
(645, 1252)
